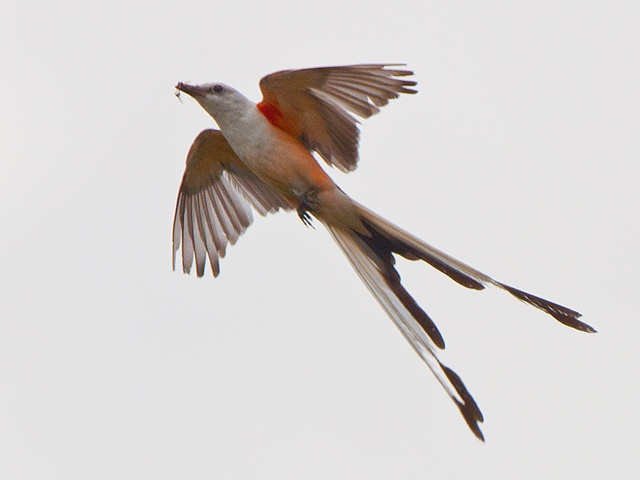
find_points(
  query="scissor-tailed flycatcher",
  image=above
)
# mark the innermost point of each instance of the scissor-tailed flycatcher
(262, 159)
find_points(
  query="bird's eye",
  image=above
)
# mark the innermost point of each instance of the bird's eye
(217, 88)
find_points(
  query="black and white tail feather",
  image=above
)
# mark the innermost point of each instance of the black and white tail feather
(371, 255)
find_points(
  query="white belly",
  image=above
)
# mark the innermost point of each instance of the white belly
(268, 152)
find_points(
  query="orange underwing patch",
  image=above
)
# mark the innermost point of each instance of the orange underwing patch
(271, 113)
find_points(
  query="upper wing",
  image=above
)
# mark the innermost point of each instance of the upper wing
(214, 201)
(313, 105)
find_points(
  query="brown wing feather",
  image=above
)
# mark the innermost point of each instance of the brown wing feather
(214, 202)
(315, 105)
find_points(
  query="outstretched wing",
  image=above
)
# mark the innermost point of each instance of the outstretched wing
(214, 202)
(313, 105)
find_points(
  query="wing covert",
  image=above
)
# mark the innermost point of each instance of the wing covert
(315, 105)
(214, 202)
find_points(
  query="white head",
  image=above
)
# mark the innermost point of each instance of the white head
(222, 102)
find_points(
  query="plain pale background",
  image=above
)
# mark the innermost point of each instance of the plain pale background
(518, 156)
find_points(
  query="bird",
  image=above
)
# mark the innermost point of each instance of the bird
(265, 157)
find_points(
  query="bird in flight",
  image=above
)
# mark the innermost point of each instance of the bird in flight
(262, 158)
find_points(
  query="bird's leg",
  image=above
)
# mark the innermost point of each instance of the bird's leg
(307, 202)
(305, 217)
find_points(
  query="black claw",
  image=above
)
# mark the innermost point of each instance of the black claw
(305, 217)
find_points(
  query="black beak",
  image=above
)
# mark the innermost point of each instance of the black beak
(192, 90)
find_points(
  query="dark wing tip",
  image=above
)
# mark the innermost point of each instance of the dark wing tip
(405, 84)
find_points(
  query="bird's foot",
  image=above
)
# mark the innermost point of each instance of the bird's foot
(305, 217)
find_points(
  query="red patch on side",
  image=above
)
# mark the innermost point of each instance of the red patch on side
(271, 113)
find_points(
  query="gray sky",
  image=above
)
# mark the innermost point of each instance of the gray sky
(519, 156)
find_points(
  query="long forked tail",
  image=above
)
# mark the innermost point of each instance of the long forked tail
(386, 235)
(370, 251)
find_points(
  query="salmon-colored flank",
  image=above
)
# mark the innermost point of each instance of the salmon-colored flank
(306, 165)
(272, 113)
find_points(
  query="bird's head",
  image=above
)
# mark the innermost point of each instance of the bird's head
(218, 99)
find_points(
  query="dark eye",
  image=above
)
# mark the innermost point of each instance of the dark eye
(217, 88)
